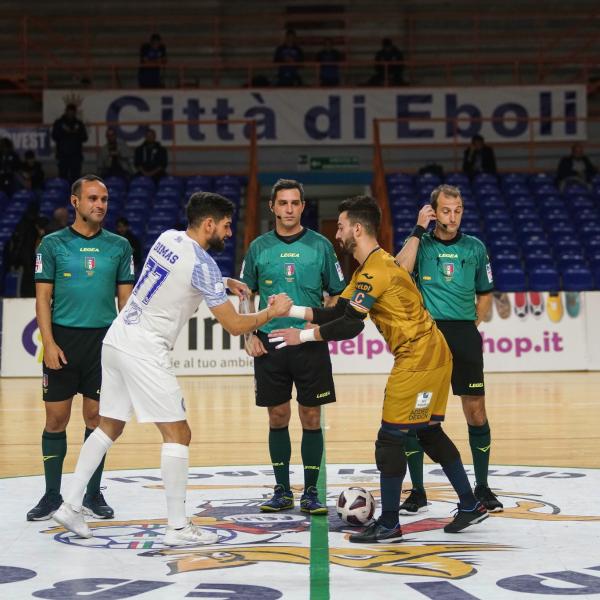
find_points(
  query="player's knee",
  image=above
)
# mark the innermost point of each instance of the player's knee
(437, 445)
(57, 421)
(389, 454)
(310, 417)
(279, 416)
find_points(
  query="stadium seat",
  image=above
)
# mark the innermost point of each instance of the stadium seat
(458, 179)
(56, 183)
(510, 279)
(577, 278)
(142, 183)
(543, 278)
(393, 178)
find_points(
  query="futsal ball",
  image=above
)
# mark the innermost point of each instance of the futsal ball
(355, 506)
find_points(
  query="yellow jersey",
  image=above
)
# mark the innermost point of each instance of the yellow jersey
(386, 291)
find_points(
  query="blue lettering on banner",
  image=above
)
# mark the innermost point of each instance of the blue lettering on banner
(166, 115)
(264, 118)
(330, 115)
(520, 120)
(427, 115)
(403, 112)
(113, 115)
(455, 112)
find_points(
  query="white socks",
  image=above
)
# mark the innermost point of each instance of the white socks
(174, 461)
(91, 454)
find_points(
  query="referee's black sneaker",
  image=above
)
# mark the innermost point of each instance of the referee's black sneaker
(376, 533)
(488, 498)
(415, 503)
(465, 518)
(46, 507)
(95, 505)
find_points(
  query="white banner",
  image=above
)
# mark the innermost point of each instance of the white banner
(526, 333)
(332, 116)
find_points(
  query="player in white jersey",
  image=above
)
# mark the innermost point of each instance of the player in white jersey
(136, 375)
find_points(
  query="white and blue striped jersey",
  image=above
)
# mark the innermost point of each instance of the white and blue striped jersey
(177, 276)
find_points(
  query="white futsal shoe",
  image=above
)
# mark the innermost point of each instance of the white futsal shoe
(72, 520)
(190, 535)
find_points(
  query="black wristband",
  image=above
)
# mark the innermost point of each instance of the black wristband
(418, 232)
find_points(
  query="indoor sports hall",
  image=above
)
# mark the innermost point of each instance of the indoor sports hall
(392, 102)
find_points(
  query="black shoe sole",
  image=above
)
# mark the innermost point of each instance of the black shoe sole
(44, 518)
(395, 540)
(408, 513)
(474, 522)
(88, 512)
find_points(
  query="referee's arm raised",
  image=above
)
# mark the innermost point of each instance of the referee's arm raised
(408, 255)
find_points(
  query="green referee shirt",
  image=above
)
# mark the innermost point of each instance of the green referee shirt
(450, 273)
(302, 268)
(85, 273)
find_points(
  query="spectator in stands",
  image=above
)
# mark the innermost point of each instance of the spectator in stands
(153, 57)
(329, 73)
(575, 168)
(392, 74)
(60, 219)
(122, 228)
(115, 157)
(290, 54)
(31, 173)
(151, 157)
(22, 248)
(479, 158)
(69, 135)
(9, 166)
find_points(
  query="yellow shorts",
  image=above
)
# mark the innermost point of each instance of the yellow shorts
(414, 398)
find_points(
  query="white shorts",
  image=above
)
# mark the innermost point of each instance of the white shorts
(131, 384)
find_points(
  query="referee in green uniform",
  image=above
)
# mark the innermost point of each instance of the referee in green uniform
(78, 271)
(303, 264)
(453, 273)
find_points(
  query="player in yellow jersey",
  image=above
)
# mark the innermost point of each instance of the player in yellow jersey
(417, 389)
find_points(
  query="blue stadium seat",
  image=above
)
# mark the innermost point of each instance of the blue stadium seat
(510, 279)
(140, 182)
(458, 179)
(543, 279)
(560, 228)
(56, 183)
(513, 178)
(199, 183)
(547, 202)
(116, 183)
(520, 202)
(577, 278)
(393, 178)
(171, 181)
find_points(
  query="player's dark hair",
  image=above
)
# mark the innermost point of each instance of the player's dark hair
(76, 187)
(204, 205)
(363, 210)
(447, 190)
(287, 184)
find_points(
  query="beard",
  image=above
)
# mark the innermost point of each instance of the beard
(349, 245)
(216, 243)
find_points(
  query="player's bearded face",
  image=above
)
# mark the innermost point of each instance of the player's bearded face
(348, 242)
(220, 234)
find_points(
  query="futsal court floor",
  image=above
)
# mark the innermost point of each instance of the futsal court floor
(545, 456)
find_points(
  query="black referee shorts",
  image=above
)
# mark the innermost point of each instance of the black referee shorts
(82, 374)
(308, 366)
(464, 340)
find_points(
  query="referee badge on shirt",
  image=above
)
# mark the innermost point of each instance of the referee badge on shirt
(448, 270)
(90, 263)
(290, 271)
(39, 265)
